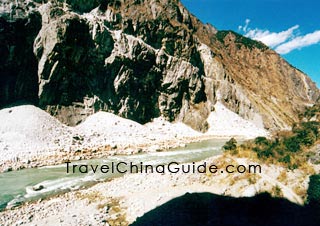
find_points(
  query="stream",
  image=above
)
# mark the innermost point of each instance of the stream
(25, 185)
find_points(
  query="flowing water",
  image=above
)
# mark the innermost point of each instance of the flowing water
(17, 187)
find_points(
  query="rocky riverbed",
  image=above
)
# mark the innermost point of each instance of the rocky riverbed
(120, 201)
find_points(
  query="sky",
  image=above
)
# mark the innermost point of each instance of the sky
(291, 28)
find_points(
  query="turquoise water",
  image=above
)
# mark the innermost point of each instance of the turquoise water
(16, 187)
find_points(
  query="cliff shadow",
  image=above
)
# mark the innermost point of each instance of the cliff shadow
(209, 209)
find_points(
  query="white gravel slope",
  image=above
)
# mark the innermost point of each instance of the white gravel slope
(27, 131)
(224, 122)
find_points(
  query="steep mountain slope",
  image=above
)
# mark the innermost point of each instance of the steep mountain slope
(141, 59)
(275, 88)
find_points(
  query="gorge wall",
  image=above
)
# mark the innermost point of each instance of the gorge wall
(141, 59)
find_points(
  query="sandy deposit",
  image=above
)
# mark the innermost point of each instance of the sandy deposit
(29, 135)
(224, 122)
(27, 130)
(106, 128)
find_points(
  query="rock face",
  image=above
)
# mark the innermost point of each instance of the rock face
(141, 59)
(19, 27)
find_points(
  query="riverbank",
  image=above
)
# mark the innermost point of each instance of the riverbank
(121, 200)
(29, 137)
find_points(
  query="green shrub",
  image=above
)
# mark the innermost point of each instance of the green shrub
(311, 126)
(261, 141)
(314, 190)
(293, 166)
(292, 144)
(308, 139)
(311, 111)
(286, 159)
(266, 153)
(304, 134)
(230, 145)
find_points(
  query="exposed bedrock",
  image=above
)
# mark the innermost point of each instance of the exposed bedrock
(141, 60)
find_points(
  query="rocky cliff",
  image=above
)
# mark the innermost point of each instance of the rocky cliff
(141, 59)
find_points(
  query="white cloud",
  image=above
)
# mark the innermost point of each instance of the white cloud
(283, 42)
(271, 39)
(245, 27)
(299, 42)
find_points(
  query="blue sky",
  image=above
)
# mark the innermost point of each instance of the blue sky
(292, 28)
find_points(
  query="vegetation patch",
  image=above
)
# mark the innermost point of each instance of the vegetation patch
(314, 190)
(241, 40)
(290, 149)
